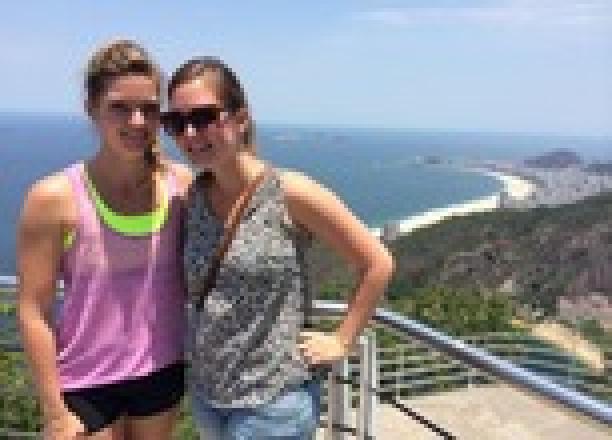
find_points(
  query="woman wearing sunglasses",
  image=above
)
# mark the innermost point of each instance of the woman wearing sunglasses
(254, 371)
(109, 365)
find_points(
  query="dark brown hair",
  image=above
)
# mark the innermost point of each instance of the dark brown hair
(229, 87)
(117, 59)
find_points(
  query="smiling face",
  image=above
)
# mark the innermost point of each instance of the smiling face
(126, 115)
(200, 138)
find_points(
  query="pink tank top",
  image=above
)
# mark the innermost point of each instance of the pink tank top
(122, 313)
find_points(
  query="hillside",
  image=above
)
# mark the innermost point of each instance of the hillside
(535, 256)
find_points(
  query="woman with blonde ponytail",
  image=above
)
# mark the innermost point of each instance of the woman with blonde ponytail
(109, 365)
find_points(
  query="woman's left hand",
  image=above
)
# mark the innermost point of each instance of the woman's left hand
(322, 348)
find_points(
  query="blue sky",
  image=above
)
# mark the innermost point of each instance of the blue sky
(506, 65)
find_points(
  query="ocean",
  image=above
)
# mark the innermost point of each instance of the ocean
(378, 173)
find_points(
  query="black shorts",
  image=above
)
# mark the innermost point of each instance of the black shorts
(100, 406)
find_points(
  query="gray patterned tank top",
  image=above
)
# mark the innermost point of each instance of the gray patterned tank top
(242, 343)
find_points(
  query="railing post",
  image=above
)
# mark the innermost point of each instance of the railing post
(399, 371)
(338, 405)
(368, 384)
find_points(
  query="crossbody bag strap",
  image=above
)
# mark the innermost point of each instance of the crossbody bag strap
(230, 229)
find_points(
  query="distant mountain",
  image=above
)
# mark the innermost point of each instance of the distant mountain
(555, 159)
(600, 168)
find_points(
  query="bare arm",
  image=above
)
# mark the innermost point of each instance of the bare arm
(321, 212)
(39, 247)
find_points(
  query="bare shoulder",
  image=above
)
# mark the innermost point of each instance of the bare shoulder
(52, 190)
(318, 210)
(300, 189)
(308, 201)
(49, 200)
(295, 183)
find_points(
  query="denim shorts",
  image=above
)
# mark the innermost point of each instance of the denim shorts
(293, 415)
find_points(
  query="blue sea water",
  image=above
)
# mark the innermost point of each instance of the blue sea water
(373, 171)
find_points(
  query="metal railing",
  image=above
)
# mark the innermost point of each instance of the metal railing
(339, 384)
(475, 357)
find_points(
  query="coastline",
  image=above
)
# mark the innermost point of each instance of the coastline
(516, 187)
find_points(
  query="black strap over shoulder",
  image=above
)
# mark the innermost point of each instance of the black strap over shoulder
(231, 226)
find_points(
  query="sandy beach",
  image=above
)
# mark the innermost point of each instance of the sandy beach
(516, 187)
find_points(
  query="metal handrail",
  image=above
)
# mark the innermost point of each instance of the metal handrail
(473, 356)
(8, 281)
(481, 359)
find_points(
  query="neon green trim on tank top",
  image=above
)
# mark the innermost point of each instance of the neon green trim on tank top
(69, 239)
(139, 224)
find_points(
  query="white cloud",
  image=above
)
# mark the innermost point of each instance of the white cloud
(510, 12)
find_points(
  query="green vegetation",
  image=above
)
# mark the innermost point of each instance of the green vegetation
(6, 309)
(547, 252)
(595, 333)
(526, 258)
(185, 428)
(457, 312)
(18, 407)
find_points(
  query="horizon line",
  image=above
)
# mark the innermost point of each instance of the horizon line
(349, 126)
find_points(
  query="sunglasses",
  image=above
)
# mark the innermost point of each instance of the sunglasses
(125, 109)
(175, 122)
